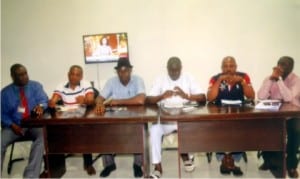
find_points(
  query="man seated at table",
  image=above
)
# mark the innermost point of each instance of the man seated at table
(283, 85)
(229, 85)
(19, 100)
(76, 91)
(174, 88)
(124, 89)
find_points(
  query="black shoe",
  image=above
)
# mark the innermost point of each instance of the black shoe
(224, 170)
(237, 171)
(106, 171)
(265, 166)
(137, 171)
(44, 174)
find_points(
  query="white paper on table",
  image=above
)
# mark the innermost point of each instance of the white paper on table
(68, 107)
(268, 104)
(231, 102)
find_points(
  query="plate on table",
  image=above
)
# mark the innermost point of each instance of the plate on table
(172, 108)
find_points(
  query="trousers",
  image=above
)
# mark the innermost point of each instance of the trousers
(157, 131)
(293, 140)
(33, 169)
(109, 159)
(87, 160)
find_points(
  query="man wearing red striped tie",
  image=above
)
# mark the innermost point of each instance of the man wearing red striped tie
(18, 100)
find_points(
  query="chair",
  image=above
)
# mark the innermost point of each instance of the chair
(11, 160)
(170, 141)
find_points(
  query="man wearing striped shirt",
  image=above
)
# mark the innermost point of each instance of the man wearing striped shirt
(75, 91)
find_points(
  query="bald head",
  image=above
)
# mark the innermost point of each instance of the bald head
(174, 68)
(229, 65)
(228, 59)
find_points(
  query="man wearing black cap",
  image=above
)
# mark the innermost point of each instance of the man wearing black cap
(124, 89)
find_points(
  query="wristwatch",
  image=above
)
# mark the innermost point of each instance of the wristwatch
(41, 105)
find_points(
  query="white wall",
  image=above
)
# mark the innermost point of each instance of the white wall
(46, 36)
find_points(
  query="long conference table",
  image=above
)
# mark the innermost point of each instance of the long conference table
(121, 130)
(124, 130)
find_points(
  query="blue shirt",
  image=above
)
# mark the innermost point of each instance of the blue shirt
(116, 90)
(10, 101)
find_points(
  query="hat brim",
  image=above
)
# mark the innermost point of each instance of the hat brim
(127, 66)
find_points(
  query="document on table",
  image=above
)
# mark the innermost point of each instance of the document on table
(231, 102)
(176, 108)
(68, 107)
(69, 111)
(173, 105)
(268, 104)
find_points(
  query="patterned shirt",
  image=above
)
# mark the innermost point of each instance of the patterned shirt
(228, 92)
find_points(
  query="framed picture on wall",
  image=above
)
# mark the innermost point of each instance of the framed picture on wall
(103, 48)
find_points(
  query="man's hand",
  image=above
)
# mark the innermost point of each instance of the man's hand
(236, 79)
(277, 72)
(80, 99)
(231, 79)
(223, 77)
(100, 109)
(17, 129)
(38, 110)
(167, 94)
(180, 92)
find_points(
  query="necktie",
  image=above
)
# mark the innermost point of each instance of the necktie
(24, 103)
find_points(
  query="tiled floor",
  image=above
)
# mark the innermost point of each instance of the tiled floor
(124, 166)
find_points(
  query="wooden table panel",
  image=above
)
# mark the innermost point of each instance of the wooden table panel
(97, 138)
(209, 136)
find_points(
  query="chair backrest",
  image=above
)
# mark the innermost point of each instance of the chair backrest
(96, 93)
(170, 141)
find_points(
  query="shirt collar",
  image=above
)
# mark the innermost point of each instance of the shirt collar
(67, 85)
(16, 87)
(170, 79)
(289, 77)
